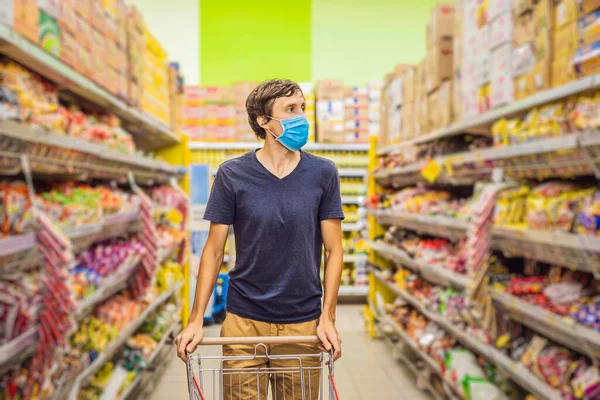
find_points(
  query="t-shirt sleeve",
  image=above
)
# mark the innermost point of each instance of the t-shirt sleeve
(221, 202)
(331, 202)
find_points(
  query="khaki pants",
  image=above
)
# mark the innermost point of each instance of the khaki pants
(287, 385)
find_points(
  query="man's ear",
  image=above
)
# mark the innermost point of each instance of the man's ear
(262, 121)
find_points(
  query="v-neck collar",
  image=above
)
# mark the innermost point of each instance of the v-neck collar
(266, 170)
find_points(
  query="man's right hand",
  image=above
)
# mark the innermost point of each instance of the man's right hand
(189, 339)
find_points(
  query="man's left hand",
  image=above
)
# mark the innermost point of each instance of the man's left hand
(329, 337)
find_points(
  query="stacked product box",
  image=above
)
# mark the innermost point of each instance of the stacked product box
(193, 112)
(500, 17)
(394, 104)
(439, 67)
(309, 96)
(457, 61)
(356, 114)
(532, 55)
(155, 80)
(176, 96)
(330, 111)
(136, 45)
(474, 45)
(243, 131)
(587, 56)
(374, 107)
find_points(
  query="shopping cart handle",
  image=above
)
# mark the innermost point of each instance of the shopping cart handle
(225, 341)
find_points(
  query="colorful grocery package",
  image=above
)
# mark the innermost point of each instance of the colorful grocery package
(16, 216)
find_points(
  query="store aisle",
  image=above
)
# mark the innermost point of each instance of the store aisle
(366, 371)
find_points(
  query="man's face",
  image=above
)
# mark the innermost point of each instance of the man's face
(286, 107)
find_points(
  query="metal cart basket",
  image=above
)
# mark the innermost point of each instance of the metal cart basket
(261, 376)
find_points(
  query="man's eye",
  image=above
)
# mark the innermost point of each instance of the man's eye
(290, 109)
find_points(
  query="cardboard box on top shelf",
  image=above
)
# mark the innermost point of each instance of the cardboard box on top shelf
(26, 19)
(457, 101)
(49, 36)
(419, 81)
(97, 17)
(543, 16)
(520, 7)
(395, 92)
(588, 28)
(587, 6)
(446, 99)
(502, 85)
(543, 47)
(523, 29)
(441, 24)
(586, 60)
(439, 65)
(408, 120)
(565, 12)
(562, 71)
(356, 113)
(433, 110)
(408, 85)
(565, 41)
(485, 68)
(542, 73)
(483, 98)
(84, 32)
(356, 125)
(330, 90)
(501, 30)
(524, 86)
(357, 100)
(424, 115)
(523, 59)
(330, 110)
(395, 126)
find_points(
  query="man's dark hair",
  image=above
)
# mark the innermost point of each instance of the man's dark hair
(260, 101)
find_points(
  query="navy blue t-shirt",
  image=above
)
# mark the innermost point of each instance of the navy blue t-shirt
(277, 235)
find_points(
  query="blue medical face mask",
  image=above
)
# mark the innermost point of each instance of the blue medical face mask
(295, 132)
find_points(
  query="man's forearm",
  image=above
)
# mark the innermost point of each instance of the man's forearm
(334, 262)
(210, 264)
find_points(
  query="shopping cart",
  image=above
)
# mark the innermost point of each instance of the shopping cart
(218, 377)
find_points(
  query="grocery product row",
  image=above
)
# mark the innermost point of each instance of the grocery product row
(486, 61)
(104, 53)
(336, 114)
(559, 139)
(83, 267)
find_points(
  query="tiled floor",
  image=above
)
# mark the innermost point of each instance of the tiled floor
(365, 372)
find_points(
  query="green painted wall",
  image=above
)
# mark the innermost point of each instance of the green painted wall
(361, 40)
(254, 40)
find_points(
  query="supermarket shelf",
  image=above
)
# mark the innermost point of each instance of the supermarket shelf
(433, 273)
(351, 227)
(486, 159)
(112, 226)
(581, 252)
(116, 344)
(352, 172)
(441, 226)
(141, 376)
(481, 123)
(165, 253)
(256, 145)
(353, 200)
(571, 334)
(429, 362)
(516, 371)
(562, 330)
(17, 350)
(108, 287)
(18, 253)
(148, 132)
(396, 255)
(353, 291)
(51, 153)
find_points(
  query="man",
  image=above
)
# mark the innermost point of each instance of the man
(285, 206)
